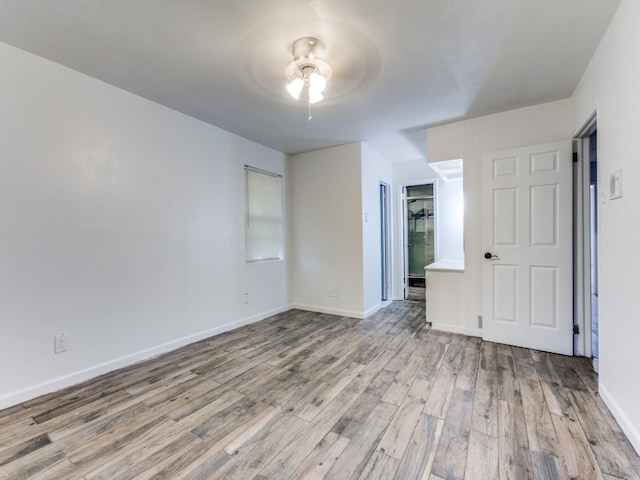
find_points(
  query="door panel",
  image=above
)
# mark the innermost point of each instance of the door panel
(505, 207)
(527, 229)
(505, 282)
(544, 296)
(544, 210)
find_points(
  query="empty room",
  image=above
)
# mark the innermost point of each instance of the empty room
(319, 240)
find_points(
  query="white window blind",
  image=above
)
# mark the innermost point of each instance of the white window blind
(263, 233)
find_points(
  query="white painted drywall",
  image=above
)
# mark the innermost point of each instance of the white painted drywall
(445, 300)
(610, 86)
(122, 226)
(375, 169)
(445, 142)
(326, 230)
(450, 219)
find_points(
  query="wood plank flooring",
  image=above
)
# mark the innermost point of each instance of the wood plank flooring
(312, 396)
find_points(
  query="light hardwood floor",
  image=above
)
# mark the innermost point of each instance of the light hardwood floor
(309, 396)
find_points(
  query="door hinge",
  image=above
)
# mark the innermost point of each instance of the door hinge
(576, 329)
(575, 157)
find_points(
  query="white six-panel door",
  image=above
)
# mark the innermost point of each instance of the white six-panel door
(527, 229)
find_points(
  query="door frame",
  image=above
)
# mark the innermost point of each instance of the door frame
(582, 238)
(405, 227)
(385, 241)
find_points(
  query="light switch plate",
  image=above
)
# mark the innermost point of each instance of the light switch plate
(615, 185)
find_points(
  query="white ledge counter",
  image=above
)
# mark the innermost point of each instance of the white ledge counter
(446, 265)
(445, 295)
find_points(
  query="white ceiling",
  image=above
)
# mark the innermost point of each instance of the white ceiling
(398, 66)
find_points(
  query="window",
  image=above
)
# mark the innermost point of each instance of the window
(263, 233)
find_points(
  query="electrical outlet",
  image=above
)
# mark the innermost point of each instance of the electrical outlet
(61, 343)
(335, 292)
(479, 321)
(246, 299)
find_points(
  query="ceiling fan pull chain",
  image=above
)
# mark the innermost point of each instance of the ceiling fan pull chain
(310, 117)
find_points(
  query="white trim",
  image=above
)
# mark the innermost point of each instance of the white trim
(18, 396)
(627, 426)
(386, 248)
(330, 311)
(379, 306)
(443, 327)
(581, 275)
(582, 239)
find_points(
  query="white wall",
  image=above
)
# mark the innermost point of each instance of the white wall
(450, 219)
(610, 86)
(539, 124)
(122, 226)
(326, 230)
(375, 169)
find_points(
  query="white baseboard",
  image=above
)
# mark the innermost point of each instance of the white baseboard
(443, 327)
(13, 398)
(330, 311)
(374, 309)
(627, 427)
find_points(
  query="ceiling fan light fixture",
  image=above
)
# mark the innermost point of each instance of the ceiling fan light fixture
(308, 70)
(317, 82)
(295, 87)
(314, 96)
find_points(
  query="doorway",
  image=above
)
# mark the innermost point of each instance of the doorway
(385, 269)
(593, 244)
(419, 238)
(586, 242)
